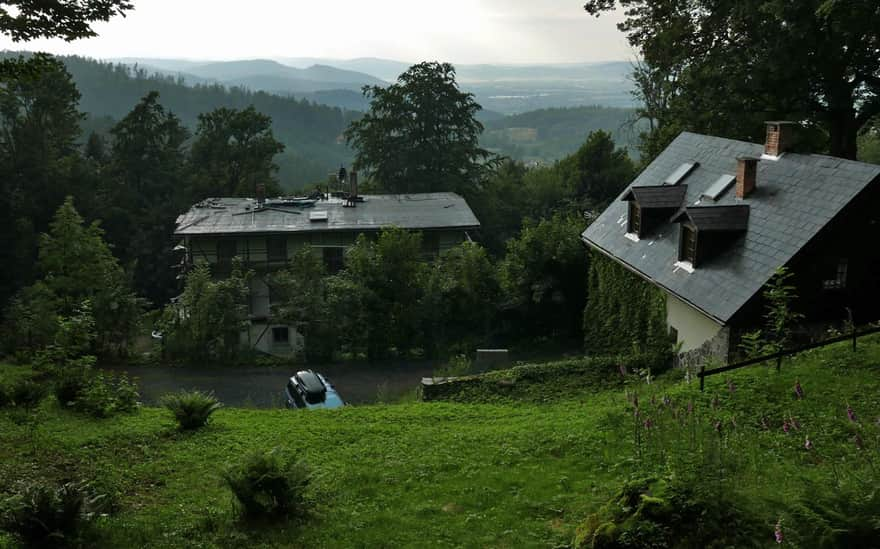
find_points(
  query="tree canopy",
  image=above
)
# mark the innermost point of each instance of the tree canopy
(725, 67)
(66, 19)
(421, 134)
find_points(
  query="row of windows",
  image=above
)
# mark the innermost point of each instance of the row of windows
(276, 252)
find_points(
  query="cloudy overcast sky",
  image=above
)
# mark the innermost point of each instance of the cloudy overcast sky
(461, 31)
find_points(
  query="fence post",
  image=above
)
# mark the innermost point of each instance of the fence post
(702, 377)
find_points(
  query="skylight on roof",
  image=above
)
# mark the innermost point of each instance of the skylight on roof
(680, 173)
(719, 187)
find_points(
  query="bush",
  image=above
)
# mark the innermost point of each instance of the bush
(667, 512)
(69, 384)
(27, 393)
(106, 395)
(5, 397)
(266, 485)
(50, 516)
(191, 409)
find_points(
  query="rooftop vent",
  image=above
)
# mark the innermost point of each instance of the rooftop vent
(680, 173)
(719, 187)
(317, 217)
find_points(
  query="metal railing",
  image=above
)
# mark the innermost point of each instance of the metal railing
(853, 336)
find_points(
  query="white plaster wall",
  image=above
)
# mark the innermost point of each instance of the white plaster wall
(694, 328)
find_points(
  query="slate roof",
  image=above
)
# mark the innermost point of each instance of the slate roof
(716, 218)
(657, 196)
(796, 196)
(226, 216)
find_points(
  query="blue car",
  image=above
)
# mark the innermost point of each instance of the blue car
(310, 390)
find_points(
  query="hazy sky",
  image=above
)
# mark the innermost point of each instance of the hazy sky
(461, 31)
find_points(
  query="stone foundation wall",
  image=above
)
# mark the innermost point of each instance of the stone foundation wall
(717, 348)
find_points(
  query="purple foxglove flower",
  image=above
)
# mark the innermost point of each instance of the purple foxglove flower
(777, 532)
(798, 390)
(850, 413)
(808, 444)
(786, 427)
(648, 423)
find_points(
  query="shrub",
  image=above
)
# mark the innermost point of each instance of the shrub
(457, 366)
(27, 393)
(191, 409)
(5, 397)
(69, 384)
(267, 485)
(845, 516)
(669, 512)
(106, 395)
(50, 516)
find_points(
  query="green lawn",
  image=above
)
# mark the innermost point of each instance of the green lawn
(509, 474)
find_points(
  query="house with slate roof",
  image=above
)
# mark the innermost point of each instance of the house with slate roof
(265, 233)
(711, 220)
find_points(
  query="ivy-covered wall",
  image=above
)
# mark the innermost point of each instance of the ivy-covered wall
(624, 314)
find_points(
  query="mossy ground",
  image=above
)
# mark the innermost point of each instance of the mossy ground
(514, 473)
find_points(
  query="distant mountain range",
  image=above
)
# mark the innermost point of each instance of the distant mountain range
(506, 89)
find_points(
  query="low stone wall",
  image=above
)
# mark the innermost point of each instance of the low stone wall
(516, 382)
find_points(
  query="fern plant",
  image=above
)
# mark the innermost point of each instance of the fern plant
(191, 409)
(268, 485)
(42, 515)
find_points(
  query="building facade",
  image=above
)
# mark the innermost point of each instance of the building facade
(265, 234)
(711, 220)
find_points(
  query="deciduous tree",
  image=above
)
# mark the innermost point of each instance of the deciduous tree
(420, 134)
(66, 19)
(725, 67)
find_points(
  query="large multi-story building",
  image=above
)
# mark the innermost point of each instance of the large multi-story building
(266, 233)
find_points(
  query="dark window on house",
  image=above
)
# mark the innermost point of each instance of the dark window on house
(226, 250)
(276, 248)
(688, 251)
(334, 259)
(673, 334)
(280, 335)
(635, 218)
(837, 280)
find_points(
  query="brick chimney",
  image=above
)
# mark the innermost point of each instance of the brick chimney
(780, 137)
(261, 195)
(746, 176)
(353, 182)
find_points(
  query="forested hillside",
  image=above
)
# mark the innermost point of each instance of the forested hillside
(309, 131)
(549, 134)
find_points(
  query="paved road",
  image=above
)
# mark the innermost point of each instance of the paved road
(261, 387)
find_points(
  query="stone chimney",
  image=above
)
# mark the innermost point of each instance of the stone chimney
(780, 137)
(261, 195)
(746, 176)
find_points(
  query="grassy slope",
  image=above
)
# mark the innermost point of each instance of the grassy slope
(452, 474)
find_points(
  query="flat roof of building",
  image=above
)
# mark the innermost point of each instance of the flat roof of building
(229, 216)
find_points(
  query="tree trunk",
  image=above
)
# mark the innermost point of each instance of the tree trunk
(843, 135)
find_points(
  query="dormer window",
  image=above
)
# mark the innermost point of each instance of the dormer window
(635, 218)
(708, 230)
(687, 250)
(651, 206)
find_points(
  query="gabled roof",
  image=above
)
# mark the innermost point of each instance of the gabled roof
(229, 216)
(715, 218)
(657, 196)
(796, 196)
